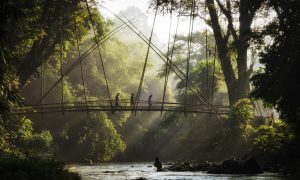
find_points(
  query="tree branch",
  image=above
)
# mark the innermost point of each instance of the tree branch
(221, 43)
(227, 13)
(226, 37)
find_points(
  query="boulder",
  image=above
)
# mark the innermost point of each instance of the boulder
(205, 166)
(180, 167)
(246, 165)
(140, 178)
(251, 166)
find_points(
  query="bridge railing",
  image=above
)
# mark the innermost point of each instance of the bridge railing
(124, 105)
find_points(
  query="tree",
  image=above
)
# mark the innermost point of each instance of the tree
(278, 82)
(204, 71)
(100, 140)
(10, 15)
(49, 24)
(230, 37)
(198, 76)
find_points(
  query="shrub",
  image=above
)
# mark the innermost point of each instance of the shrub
(12, 167)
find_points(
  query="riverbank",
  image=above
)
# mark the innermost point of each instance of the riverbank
(15, 168)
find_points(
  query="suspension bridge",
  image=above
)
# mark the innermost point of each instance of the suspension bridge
(203, 106)
(104, 105)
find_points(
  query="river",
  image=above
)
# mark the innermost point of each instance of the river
(117, 171)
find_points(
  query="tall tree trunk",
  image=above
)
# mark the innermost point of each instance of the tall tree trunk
(54, 15)
(39, 52)
(245, 20)
(238, 87)
(223, 55)
(35, 56)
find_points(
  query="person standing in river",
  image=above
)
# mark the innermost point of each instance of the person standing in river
(158, 164)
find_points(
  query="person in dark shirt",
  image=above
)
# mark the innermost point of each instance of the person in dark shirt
(117, 100)
(158, 164)
(149, 101)
(132, 100)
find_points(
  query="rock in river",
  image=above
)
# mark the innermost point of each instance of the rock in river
(246, 165)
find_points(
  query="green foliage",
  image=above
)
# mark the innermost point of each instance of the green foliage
(39, 144)
(232, 41)
(204, 68)
(24, 25)
(18, 138)
(12, 167)
(241, 114)
(46, 34)
(101, 138)
(265, 138)
(278, 81)
(207, 76)
(25, 130)
(73, 131)
(91, 137)
(9, 14)
(233, 138)
(271, 139)
(46, 28)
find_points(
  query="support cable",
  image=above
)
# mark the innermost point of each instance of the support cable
(206, 51)
(99, 52)
(83, 56)
(213, 78)
(172, 66)
(169, 61)
(42, 84)
(145, 63)
(206, 61)
(167, 66)
(259, 109)
(61, 71)
(191, 25)
(81, 68)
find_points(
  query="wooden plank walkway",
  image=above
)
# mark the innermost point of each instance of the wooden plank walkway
(105, 105)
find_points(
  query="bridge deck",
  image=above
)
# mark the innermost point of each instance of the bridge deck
(105, 105)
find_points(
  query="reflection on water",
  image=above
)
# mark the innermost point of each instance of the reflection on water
(105, 171)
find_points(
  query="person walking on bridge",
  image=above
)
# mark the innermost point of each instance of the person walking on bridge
(117, 100)
(132, 100)
(149, 101)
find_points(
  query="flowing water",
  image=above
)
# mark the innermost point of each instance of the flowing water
(116, 171)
